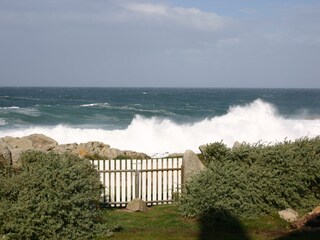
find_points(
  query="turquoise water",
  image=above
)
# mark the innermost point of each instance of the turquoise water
(114, 114)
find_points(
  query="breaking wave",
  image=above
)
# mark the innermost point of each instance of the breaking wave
(126, 108)
(257, 121)
(95, 105)
(23, 111)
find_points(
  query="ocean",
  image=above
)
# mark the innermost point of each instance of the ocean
(160, 120)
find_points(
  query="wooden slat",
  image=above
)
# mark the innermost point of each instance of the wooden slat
(158, 179)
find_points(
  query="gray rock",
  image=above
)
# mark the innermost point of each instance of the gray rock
(66, 148)
(289, 215)
(15, 155)
(100, 150)
(13, 147)
(135, 155)
(39, 142)
(175, 155)
(112, 153)
(236, 145)
(191, 165)
(137, 205)
(14, 143)
(5, 154)
(34, 141)
(203, 148)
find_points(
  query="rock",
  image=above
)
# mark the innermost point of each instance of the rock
(66, 148)
(15, 156)
(137, 205)
(175, 155)
(191, 165)
(39, 142)
(11, 148)
(14, 143)
(203, 148)
(34, 141)
(90, 149)
(5, 154)
(236, 145)
(99, 150)
(113, 153)
(135, 155)
(288, 215)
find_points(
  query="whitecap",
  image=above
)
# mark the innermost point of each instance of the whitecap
(257, 121)
(8, 108)
(95, 105)
(25, 111)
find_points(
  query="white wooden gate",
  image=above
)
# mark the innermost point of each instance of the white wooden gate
(153, 180)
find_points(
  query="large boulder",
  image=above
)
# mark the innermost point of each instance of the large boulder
(203, 148)
(137, 205)
(91, 149)
(191, 165)
(34, 141)
(5, 154)
(16, 146)
(17, 143)
(41, 142)
(236, 145)
(288, 215)
(65, 148)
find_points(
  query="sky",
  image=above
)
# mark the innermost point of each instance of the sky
(179, 43)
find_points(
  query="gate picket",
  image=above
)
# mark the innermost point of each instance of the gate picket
(157, 180)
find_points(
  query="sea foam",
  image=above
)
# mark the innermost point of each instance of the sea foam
(257, 121)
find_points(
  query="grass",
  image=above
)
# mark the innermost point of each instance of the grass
(164, 223)
(159, 222)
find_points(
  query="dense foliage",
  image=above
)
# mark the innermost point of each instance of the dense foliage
(50, 196)
(251, 180)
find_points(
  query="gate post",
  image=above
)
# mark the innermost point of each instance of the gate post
(136, 181)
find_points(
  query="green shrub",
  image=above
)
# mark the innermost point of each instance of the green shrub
(253, 180)
(215, 151)
(51, 196)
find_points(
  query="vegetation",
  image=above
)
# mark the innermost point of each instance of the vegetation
(253, 180)
(164, 222)
(50, 196)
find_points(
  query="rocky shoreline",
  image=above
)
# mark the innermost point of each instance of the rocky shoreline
(12, 147)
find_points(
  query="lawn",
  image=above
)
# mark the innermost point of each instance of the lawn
(165, 222)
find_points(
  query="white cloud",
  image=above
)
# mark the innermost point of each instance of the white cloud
(153, 9)
(114, 12)
(187, 17)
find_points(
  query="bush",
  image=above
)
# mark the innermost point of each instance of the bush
(253, 180)
(51, 196)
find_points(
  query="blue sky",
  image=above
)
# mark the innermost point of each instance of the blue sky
(140, 43)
